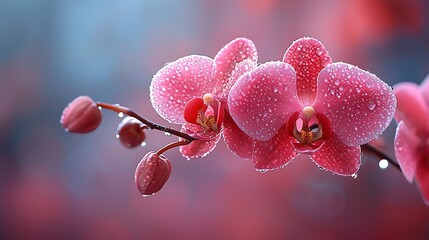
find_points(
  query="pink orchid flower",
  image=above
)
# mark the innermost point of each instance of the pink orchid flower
(193, 91)
(412, 134)
(309, 105)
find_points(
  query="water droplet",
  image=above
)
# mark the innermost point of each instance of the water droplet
(354, 176)
(332, 91)
(358, 90)
(121, 114)
(167, 134)
(117, 136)
(275, 90)
(262, 170)
(383, 163)
(356, 128)
(341, 88)
(371, 105)
(143, 144)
(186, 68)
(337, 82)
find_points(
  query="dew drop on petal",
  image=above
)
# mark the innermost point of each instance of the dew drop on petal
(143, 144)
(371, 105)
(121, 114)
(337, 82)
(354, 176)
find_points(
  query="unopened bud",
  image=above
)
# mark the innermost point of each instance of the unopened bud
(152, 173)
(81, 115)
(131, 132)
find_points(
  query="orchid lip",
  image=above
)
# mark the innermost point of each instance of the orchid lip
(206, 112)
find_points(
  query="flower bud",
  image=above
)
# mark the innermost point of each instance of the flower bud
(130, 132)
(151, 173)
(81, 115)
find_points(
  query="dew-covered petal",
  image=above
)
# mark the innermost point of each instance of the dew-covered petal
(411, 108)
(359, 105)
(261, 101)
(422, 179)
(308, 57)
(274, 153)
(199, 148)
(240, 69)
(337, 157)
(236, 140)
(406, 150)
(226, 59)
(178, 82)
(424, 89)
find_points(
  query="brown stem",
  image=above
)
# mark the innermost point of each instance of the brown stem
(172, 145)
(370, 148)
(150, 124)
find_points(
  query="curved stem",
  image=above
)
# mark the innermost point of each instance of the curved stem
(150, 124)
(172, 145)
(370, 148)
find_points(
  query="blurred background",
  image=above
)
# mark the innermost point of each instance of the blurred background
(56, 185)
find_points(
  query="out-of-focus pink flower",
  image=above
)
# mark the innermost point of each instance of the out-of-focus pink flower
(193, 91)
(412, 133)
(306, 104)
(81, 115)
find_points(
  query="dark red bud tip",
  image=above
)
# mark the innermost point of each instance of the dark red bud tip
(131, 132)
(81, 115)
(152, 173)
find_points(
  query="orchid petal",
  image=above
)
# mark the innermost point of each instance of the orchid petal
(226, 59)
(240, 69)
(412, 107)
(422, 179)
(261, 101)
(424, 89)
(178, 82)
(359, 105)
(236, 140)
(406, 150)
(337, 157)
(199, 148)
(308, 57)
(274, 153)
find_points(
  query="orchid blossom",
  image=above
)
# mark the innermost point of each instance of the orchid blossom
(309, 105)
(193, 91)
(412, 134)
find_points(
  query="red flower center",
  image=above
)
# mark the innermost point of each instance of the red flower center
(309, 130)
(207, 112)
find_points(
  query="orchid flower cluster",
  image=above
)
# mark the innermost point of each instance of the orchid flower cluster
(271, 112)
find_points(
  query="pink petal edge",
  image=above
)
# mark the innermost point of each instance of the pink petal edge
(412, 108)
(406, 146)
(261, 101)
(199, 148)
(274, 153)
(178, 82)
(359, 105)
(308, 57)
(337, 157)
(236, 140)
(227, 58)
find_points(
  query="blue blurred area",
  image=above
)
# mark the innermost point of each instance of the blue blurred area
(62, 186)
